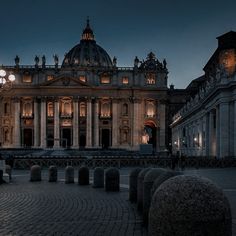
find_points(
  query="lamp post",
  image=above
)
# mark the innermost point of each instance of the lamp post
(6, 80)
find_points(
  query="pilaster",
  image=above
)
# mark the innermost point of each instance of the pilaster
(89, 124)
(75, 123)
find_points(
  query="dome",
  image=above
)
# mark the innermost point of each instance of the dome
(87, 52)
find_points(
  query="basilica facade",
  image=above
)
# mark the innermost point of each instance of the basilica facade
(87, 101)
(206, 124)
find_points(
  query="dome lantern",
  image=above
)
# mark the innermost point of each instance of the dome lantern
(88, 32)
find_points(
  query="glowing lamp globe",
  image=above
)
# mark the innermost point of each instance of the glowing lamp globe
(11, 78)
(2, 73)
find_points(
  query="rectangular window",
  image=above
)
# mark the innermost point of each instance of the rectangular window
(125, 80)
(27, 78)
(105, 79)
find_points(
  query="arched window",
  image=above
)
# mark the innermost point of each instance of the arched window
(105, 109)
(66, 109)
(150, 109)
(125, 109)
(50, 109)
(82, 109)
(27, 109)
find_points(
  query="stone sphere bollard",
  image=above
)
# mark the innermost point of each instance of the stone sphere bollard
(133, 182)
(52, 174)
(189, 205)
(35, 173)
(140, 188)
(148, 181)
(112, 180)
(83, 176)
(8, 170)
(69, 175)
(98, 177)
(162, 178)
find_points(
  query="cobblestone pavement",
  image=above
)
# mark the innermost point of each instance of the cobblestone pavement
(56, 209)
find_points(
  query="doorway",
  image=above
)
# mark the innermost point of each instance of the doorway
(27, 137)
(105, 138)
(151, 130)
(66, 137)
(82, 140)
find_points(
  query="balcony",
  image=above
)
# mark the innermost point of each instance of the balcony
(27, 115)
(66, 115)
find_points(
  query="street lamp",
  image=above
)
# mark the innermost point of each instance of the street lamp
(6, 80)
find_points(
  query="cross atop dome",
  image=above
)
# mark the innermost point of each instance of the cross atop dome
(88, 32)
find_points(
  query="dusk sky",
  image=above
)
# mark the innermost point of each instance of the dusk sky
(182, 32)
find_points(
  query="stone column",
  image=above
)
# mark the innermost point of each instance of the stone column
(234, 117)
(96, 123)
(17, 132)
(43, 126)
(56, 124)
(75, 123)
(89, 124)
(207, 135)
(224, 129)
(211, 133)
(162, 114)
(136, 125)
(36, 123)
(114, 123)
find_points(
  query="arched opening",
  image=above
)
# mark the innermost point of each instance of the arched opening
(82, 109)
(150, 131)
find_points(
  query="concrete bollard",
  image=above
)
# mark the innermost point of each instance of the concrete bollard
(98, 177)
(133, 182)
(8, 170)
(83, 176)
(140, 188)
(52, 174)
(35, 173)
(148, 181)
(189, 205)
(69, 175)
(112, 180)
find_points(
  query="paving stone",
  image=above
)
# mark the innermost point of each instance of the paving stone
(58, 209)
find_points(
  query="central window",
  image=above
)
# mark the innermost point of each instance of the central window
(150, 78)
(105, 79)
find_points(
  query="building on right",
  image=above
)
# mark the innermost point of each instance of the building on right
(206, 124)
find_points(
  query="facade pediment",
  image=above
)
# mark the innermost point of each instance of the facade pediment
(65, 80)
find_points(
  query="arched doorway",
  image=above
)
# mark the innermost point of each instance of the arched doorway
(150, 130)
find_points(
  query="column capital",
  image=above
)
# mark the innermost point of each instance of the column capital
(16, 99)
(115, 100)
(162, 101)
(43, 99)
(75, 98)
